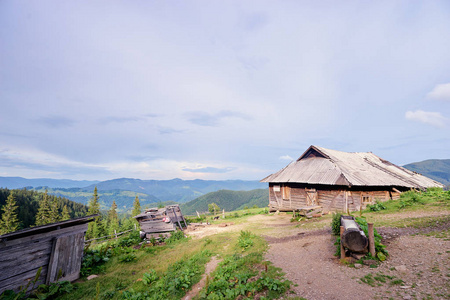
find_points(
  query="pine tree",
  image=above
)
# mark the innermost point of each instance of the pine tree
(95, 228)
(136, 207)
(65, 213)
(9, 221)
(44, 213)
(94, 205)
(113, 219)
(54, 213)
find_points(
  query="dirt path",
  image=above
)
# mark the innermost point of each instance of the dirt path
(210, 267)
(308, 260)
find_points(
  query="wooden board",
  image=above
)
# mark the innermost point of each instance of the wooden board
(65, 262)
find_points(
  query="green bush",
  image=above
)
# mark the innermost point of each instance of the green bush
(127, 257)
(93, 260)
(131, 239)
(336, 224)
(377, 206)
(175, 236)
(245, 240)
(150, 277)
(380, 249)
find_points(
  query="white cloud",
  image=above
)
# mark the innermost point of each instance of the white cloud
(440, 92)
(286, 157)
(427, 117)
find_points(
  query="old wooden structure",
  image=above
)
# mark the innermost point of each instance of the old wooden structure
(161, 220)
(57, 248)
(340, 181)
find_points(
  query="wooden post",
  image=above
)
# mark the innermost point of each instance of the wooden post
(371, 239)
(198, 215)
(115, 233)
(346, 202)
(342, 246)
(223, 213)
(135, 227)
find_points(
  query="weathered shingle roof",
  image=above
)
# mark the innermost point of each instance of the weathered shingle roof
(330, 167)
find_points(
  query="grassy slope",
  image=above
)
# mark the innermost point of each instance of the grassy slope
(228, 200)
(118, 277)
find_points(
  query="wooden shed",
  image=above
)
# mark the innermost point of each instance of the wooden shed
(340, 181)
(57, 248)
(159, 220)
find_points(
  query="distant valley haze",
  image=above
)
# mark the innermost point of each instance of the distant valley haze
(152, 192)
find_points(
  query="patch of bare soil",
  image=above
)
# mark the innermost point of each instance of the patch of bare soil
(263, 220)
(421, 262)
(210, 267)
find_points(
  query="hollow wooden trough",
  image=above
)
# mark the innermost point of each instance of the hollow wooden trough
(353, 237)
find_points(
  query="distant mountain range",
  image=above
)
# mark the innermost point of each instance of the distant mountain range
(437, 169)
(124, 190)
(19, 182)
(152, 192)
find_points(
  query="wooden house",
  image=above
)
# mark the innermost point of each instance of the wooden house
(57, 248)
(340, 181)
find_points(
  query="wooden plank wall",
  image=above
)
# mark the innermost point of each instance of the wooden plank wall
(156, 226)
(297, 198)
(329, 199)
(21, 258)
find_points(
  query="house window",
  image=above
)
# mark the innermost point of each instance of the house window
(286, 191)
(276, 188)
(366, 199)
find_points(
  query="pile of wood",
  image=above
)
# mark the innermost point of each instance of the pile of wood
(160, 220)
(310, 211)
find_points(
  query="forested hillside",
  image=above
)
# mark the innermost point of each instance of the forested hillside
(437, 169)
(123, 190)
(228, 200)
(28, 205)
(123, 199)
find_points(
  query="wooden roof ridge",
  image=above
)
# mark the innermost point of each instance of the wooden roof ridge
(316, 148)
(47, 227)
(319, 165)
(323, 151)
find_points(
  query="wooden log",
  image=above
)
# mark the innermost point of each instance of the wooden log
(353, 237)
(371, 239)
(342, 245)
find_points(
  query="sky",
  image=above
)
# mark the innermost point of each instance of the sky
(96, 90)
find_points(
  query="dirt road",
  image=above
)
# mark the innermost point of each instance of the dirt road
(421, 262)
(418, 266)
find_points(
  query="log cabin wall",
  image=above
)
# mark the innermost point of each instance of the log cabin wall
(331, 198)
(57, 250)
